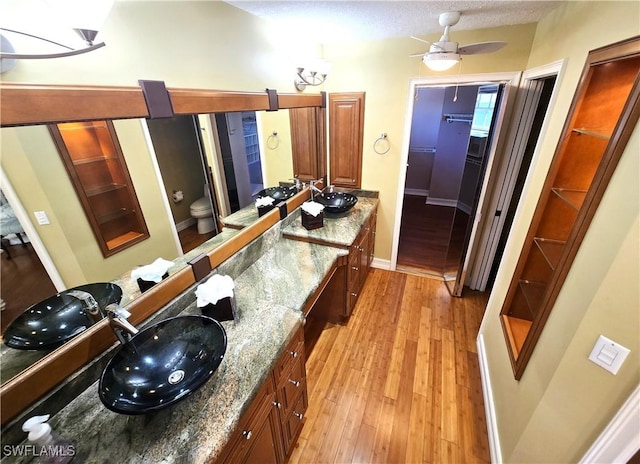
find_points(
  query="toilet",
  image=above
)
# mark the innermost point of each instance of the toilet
(201, 210)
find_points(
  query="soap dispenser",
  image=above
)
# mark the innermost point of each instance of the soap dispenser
(48, 447)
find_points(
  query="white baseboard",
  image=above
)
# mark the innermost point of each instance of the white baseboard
(182, 225)
(381, 264)
(489, 406)
(620, 440)
(416, 192)
(464, 207)
(442, 202)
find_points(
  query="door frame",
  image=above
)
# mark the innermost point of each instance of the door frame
(511, 79)
(30, 230)
(507, 170)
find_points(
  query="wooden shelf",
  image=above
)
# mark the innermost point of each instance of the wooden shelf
(124, 239)
(551, 250)
(603, 112)
(573, 198)
(533, 293)
(517, 330)
(591, 133)
(97, 168)
(96, 159)
(105, 189)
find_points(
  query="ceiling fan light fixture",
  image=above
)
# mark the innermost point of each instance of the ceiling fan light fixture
(441, 61)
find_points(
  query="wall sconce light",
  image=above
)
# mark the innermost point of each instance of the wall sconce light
(314, 74)
(85, 18)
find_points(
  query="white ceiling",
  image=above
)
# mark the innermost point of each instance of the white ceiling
(343, 20)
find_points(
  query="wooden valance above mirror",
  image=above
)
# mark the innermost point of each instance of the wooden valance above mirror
(24, 104)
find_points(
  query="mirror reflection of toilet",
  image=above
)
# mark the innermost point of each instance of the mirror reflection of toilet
(201, 211)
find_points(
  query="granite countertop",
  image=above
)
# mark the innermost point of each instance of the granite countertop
(269, 296)
(15, 361)
(242, 218)
(339, 229)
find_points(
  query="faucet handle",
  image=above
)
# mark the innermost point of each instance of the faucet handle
(114, 310)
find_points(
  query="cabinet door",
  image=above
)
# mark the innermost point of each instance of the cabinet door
(346, 122)
(304, 144)
(259, 437)
(604, 111)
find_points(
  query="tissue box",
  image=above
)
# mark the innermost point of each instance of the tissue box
(223, 310)
(145, 285)
(311, 222)
(264, 209)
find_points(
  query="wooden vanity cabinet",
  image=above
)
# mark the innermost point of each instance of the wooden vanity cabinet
(602, 116)
(268, 430)
(359, 263)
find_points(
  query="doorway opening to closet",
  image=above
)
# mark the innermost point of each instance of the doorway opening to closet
(497, 147)
(451, 131)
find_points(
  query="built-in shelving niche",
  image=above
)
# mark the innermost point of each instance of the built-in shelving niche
(603, 113)
(98, 171)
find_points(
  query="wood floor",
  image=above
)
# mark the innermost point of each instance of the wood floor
(23, 282)
(399, 383)
(190, 238)
(431, 237)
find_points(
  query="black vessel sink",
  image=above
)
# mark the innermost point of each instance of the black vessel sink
(162, 364)
(48, 324)
(336, 202)
(278, 193)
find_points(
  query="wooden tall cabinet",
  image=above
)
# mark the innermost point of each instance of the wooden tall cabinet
(308, 143)
(346, 126)
(602, 116)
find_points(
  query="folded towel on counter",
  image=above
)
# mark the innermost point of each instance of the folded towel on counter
(264, 201)
(152, 272)
(312, 207)
(216, 288)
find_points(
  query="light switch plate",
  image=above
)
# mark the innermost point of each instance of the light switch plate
(608, 354)
(41, 217)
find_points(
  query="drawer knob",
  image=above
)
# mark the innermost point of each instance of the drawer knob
(276, 404)
(294, 354)
(354, 294)
(247, 434)
(299, 415)
(355, 268)
(296, 383)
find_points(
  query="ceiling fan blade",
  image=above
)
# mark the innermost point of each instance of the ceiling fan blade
(416, 55)
(419, 39)
(483, 47)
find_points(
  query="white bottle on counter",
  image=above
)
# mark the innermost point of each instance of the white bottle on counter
(48, 447)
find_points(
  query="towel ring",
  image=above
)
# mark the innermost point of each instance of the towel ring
(382, 138)
(271, 139)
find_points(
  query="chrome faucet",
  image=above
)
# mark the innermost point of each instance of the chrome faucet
(313, 187)
(123, 329)
(89, 303)
(299, 185)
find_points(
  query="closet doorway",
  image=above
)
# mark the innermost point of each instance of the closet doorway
(451, 132)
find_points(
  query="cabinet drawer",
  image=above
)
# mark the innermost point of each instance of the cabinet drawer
(294, 422)
(293, 352)
(290, 387)
(250, 431)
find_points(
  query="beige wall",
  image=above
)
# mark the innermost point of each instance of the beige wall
(563, 401)
(186, 44)
(383, 70)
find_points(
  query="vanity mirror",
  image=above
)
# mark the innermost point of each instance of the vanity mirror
(36, 106)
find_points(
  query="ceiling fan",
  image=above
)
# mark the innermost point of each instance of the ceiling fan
(443, 54)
